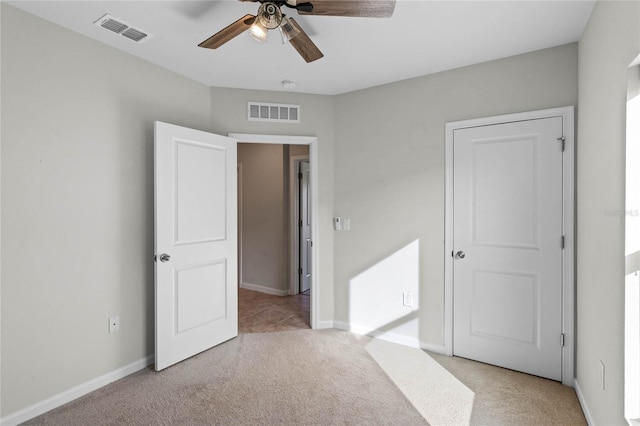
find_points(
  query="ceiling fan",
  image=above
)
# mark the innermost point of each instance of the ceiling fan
(271, 17)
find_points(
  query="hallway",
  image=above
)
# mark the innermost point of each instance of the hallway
(261, 313)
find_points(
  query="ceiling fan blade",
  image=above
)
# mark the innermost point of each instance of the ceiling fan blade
(233, 30)
(356, 8)
(303, 44)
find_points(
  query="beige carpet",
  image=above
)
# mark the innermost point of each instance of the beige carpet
(506, 397)
(457, 391)
(438, 395)
(293, 377)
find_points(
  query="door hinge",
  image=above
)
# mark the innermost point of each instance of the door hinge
(562, 339)
(563, 140)
(300, 224)
(299, 175)
(562, 242)
(300, 271)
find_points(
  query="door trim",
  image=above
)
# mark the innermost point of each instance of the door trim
(240, 207)
(294, 230)
(312, 141)
(568, 224)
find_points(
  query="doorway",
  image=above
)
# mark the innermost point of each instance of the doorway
(301, 211)
(509, 242)
(269, 249)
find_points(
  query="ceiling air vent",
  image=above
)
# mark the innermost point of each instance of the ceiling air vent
(117, 26)
(134, 34)
(113, 25)
(280, 113)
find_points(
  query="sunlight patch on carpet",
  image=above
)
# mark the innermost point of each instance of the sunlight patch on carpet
(437, 395)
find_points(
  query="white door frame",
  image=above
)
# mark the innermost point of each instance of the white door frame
(294, 229)
(240, 224)
(312, 141)
(568, 223)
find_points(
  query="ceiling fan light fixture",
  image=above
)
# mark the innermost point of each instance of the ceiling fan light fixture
(258, 32)
(287, 30)
(270, 15)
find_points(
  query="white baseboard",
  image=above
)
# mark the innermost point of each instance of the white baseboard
(263, 289)
(390, 337)
(430, 347)
(74, 393)
(339, 325)
(583, 403)
(325, 324)
(372, 332)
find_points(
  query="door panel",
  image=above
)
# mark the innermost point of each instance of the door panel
(515, 226)
(200, 294)
(196, 225)
(487, 317)
(508, 224)
(200, 196)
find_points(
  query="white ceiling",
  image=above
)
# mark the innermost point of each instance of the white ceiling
(422, 37)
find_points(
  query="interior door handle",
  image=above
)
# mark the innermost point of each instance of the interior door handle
(460, 255)
(164, 257)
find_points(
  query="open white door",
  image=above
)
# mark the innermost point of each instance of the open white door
(305, 227)
(196, 296)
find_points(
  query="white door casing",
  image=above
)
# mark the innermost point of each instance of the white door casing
(509, 202)
(316, 286)
(305, 227)
(196, 226)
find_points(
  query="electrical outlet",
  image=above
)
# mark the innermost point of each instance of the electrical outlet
(602, 374)
(114, 324)
(407, 299)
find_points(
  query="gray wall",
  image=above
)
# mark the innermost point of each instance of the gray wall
(77, 211)
(609, 43)
(77, 199)
(264, 216)
(389, 168)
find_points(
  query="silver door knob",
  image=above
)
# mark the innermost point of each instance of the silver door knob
(460, 254)
(164, 257)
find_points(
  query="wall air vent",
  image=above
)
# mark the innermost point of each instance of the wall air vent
(274, 113)
(117, 26)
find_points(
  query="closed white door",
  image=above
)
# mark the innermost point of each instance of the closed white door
(305, 227)
(507, 273)
(196, 298)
